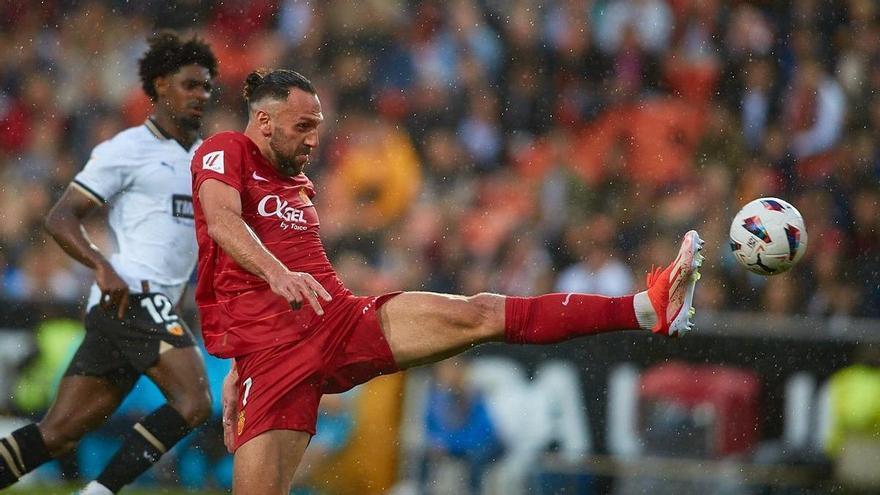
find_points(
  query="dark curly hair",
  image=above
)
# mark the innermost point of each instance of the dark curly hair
(168, 53)
(274, 84)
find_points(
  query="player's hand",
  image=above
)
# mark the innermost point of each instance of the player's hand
(114, 290)
(229, 400)
(297, 287)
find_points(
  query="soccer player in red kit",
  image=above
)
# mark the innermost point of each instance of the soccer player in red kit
(270, 299)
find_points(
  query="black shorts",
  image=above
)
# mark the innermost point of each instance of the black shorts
(121, 350)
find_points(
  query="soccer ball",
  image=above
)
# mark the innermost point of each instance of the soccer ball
(768, 236)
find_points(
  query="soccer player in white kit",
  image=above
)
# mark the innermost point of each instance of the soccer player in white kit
(142, 176)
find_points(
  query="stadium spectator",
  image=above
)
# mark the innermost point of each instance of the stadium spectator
(814, 111)
(458, 424)
(599, 268)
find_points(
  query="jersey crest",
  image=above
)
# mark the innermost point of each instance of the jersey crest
(213, 161)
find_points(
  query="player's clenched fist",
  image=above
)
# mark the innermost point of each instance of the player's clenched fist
(297, 287)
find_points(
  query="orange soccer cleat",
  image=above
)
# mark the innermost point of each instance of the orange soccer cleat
(671, 290)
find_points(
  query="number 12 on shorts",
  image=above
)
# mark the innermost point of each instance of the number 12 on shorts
(159, 307)
(247, 390)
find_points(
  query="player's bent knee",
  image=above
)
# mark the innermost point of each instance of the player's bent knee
(195, 409)
(201, 413)
(485, 314)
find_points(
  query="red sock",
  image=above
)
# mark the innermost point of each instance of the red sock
(557, 317)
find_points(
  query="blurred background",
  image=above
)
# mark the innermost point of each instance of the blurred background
(519, 147)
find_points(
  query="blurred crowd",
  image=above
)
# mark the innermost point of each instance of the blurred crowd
(512, 146)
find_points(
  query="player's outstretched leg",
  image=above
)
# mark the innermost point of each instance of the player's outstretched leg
(665, 308)
(423, 327)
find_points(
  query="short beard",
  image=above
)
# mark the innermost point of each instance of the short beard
(286, 163)
(189, 124)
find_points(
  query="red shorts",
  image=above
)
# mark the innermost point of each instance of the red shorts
(279, 388)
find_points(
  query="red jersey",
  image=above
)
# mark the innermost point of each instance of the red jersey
(239, 312)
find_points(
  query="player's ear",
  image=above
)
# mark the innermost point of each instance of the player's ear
(161, 84)
(264, 121)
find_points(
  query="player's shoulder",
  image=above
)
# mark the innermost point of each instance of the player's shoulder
(221, 151)
(124, 143)
(225, 140)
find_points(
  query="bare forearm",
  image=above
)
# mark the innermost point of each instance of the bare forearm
(233, 235)
(70, 235)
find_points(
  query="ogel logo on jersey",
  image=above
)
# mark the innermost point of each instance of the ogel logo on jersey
(274, 206)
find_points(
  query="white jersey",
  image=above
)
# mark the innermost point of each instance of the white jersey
(144, 179)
